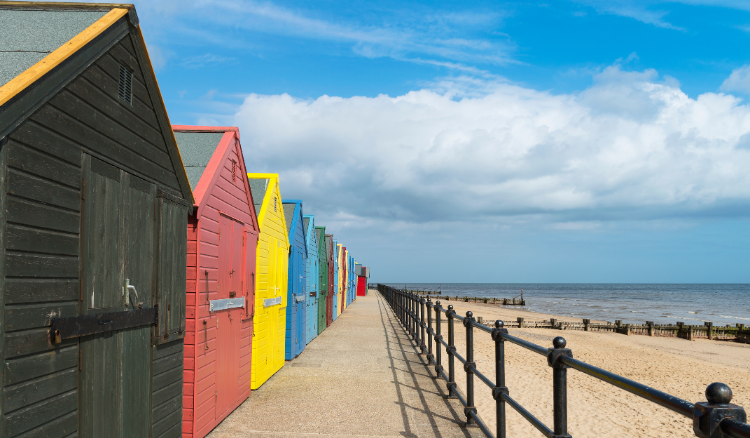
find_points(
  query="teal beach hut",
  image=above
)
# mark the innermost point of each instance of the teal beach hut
(294, 342)
(312, 271)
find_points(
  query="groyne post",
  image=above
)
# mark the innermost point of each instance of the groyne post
(438, 338)
(586, 325)
(559, 386)
(553, 322)
(421, 325)
(520, 322)
(430, 357)
(451, 350)
(710, 330)
(651, 328)
(469, 368)
(500, 388)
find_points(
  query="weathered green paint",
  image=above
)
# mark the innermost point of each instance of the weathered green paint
(322, 277)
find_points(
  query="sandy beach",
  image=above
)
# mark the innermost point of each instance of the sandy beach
(595, 409)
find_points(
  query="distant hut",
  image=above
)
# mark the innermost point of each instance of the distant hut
(323, 258)
(94, 204)
(312, 267)
(336, 279)
(296, 308)
(222, 237)
(272, 263)
(361, 281)
(330, 299)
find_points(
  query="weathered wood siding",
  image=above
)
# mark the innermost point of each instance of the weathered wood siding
(42, 218)
(228, 196)
(271, 281)
(323, 279)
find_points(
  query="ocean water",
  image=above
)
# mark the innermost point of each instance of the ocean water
(632, 303)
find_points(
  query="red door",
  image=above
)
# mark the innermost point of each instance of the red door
(228, 320)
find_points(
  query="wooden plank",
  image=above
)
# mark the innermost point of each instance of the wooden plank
(92, 88)
(106, 73)
(43, 165)
(32, 290)
(26, 212)
(41, 241)
(166, 423)
(26, 316)
(164, 394)
(168, 377)
(34, 391)
(81, 110)
(40, 266)
(32, 341)
(39, 137)
(31, 417)
(48, 192)
(63, 427)
(168, 349)
(167, 363)
(126, 57)
(31, 367)
(172, 405)
(91, 140)
(174, 432)
(136, 382)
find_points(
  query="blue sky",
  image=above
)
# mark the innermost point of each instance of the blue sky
(571, 141)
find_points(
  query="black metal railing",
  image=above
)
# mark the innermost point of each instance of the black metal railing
(715, 418)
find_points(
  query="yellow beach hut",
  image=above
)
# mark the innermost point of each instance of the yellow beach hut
(340, 282)
(272, 263)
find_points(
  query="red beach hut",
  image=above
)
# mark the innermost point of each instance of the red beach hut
(222, 237)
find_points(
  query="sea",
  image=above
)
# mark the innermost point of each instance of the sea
(692, 304)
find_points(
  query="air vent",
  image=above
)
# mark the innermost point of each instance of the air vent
(126, 84)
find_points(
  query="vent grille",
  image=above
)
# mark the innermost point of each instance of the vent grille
(126, 84)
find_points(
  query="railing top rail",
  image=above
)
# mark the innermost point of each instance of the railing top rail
(526, 344)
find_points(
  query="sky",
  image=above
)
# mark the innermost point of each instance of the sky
(485, 141)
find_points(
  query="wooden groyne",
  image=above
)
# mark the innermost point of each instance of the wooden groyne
(499, 301)
(708, 330)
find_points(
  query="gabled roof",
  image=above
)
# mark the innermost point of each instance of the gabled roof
(196, 149)
(306, 220)
(49, 43)
(260, 183)
(289, 209)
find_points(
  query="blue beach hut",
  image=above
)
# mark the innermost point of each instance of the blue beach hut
(352, 280)
(296, 299)
(312, 271)
(336, 278)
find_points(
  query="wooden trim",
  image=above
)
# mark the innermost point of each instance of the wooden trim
(209, 176)
(161, 113)
(192, 128)
(36, 71)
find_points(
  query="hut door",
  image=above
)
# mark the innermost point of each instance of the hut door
(117, 232)
(230, 269)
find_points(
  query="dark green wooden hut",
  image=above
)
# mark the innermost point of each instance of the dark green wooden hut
(94, 219)
(323, 277)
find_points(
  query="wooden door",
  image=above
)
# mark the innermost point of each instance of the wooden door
(117, 231)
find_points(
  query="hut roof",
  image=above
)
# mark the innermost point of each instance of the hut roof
(289, 208)
(306, 221)
(196, 149)
(258, 187)
(36, 40)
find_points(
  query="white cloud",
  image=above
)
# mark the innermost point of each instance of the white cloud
(629, 147)
(738, 81)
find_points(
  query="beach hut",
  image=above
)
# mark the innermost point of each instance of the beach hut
(353, 277)
(361, 281)
(311, 279)
(296, 308)
(95, 203)
(342, 282)
(222, 237)
(320, 234)
(336, 279)
(331, 265)
(272, 263)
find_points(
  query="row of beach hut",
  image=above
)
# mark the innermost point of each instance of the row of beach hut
(149, 282)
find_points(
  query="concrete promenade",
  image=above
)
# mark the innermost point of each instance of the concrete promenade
(362, 377)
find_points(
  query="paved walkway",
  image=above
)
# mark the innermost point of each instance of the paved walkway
(362, 377)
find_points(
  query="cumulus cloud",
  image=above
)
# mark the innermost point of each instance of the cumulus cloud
(630, 147)
(738, 81)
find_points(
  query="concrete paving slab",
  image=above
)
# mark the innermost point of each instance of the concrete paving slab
(362, 377)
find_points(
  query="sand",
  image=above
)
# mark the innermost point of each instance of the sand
(595, 409)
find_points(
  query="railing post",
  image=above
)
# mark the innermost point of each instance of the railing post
(500, 388)
(430, 357)
(469, 368)
(421, 325)
(438, 338)
(451, 350)
(709, 415)
(559, 386)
